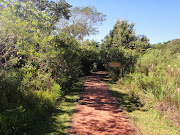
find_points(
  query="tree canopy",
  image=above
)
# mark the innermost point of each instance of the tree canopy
(84, 21)
(123, 35)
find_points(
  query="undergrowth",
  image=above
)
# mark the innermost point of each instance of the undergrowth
(57, 121)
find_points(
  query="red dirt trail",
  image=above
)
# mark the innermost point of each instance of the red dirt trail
(98, 113)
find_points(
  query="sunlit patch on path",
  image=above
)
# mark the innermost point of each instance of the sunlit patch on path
(98, 113)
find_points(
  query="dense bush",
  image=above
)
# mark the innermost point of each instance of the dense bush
(37, 67)
(66, 63)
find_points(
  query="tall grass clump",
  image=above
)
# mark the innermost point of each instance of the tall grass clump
(157, 72)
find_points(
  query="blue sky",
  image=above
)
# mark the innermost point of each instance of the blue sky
(159, 20)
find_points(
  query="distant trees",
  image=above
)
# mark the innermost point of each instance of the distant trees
(83, 22)
(123, 35)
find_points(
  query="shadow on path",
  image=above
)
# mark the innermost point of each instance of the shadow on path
(129, 103)
(99, 112)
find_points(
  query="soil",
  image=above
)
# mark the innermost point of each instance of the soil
(98, 113)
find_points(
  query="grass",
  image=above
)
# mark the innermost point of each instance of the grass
(148, 121)
(57, 121)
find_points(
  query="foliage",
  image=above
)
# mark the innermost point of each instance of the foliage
(123, 35)
(66, 63)
(54, 10)
(122, 45)
(156, 77)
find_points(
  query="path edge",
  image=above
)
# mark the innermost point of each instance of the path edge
(125, 115)
(70, 129)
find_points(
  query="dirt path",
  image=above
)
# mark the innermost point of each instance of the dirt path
(98, 113)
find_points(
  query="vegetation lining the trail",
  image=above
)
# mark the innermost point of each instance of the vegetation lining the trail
(158, 74)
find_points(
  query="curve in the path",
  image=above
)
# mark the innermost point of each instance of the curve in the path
(98, 113)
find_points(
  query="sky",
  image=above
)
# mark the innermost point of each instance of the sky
(159, 20)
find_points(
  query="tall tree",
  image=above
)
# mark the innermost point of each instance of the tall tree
(123, 35)
(83, 22)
